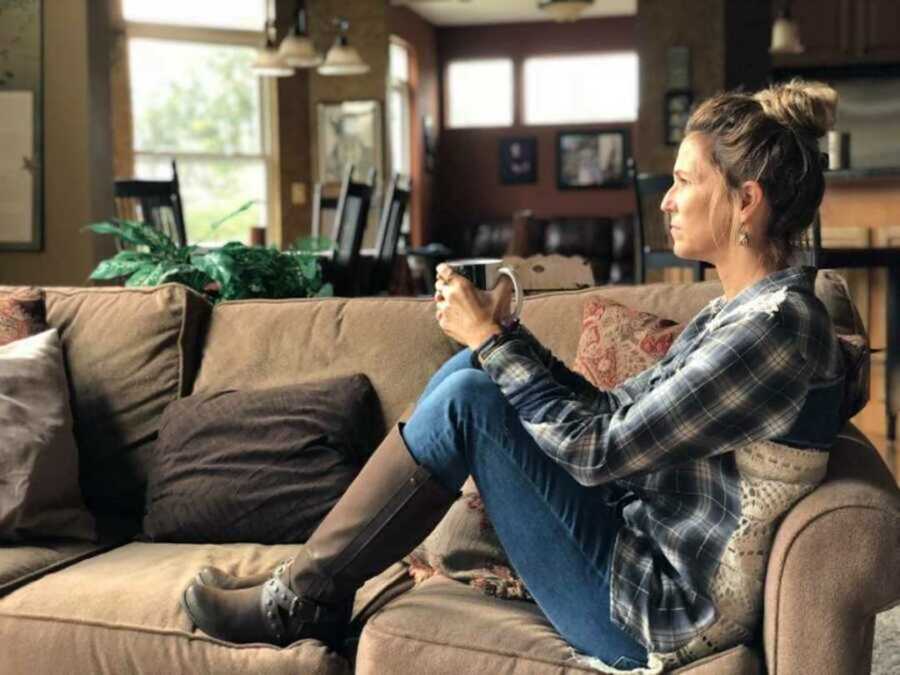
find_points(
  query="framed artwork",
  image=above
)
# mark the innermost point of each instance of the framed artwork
(518, 160)
(349, 132)
(21, 126)
(678, 110)
(592, 159)
(678, 68)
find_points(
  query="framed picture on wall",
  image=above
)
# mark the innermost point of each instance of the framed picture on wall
(518, 160)
(592, 159)
(21, 126)
(678, 110)
(349, 132)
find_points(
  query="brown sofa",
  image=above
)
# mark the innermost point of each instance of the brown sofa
(113, 607)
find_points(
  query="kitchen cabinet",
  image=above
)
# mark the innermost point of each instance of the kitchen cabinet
(843, 33)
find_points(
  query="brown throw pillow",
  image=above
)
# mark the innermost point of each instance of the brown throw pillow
(39, 492)
(261, 466)
(22, 314)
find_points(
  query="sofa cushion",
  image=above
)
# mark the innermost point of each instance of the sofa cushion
(129, 353)
(555, 318)
(22, 314)
(120, 612)
(39, 491)
(255, 344)
(618, 342)
(455, 629)
(259, 466)
(22, 564)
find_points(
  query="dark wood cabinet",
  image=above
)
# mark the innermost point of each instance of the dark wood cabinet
(843, 32)
(879, 29)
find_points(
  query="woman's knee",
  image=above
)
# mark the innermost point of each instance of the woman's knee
(471, 387)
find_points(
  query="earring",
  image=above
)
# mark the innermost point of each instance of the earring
(744, 238)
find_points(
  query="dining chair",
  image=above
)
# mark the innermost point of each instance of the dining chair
(351, 216)
(157, 202)
(653, 241)
(396, 201)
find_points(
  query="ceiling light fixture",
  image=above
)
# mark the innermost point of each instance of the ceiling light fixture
(785, 34)
(564, 10)
(343, 59)
(297, 49)
(268, 61)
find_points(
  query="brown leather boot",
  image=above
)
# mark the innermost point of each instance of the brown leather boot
(389, 508)
(217, 578)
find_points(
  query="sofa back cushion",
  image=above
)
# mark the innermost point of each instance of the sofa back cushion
(128, 352)
(256, 344)
(555, 318)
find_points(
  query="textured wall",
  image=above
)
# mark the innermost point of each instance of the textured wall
(728, 42)
(299, 95)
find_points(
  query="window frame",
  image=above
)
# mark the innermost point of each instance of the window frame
(523, 93)
(406, 89)
(268, 102)
(512, 90)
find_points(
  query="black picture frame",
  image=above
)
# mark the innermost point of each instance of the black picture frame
(675, 115)
(518, 160)
(592, 158)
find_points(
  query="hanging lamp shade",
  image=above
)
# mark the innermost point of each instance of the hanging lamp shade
(564, 10)
(297, 49)
(268, 61)
(342, 58)
(785, 34)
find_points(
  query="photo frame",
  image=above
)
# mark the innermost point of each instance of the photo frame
(22, 126)
(518, 160)
(348, 132)
(593, 158)
(677, 111)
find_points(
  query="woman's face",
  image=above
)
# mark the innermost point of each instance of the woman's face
(690, 200)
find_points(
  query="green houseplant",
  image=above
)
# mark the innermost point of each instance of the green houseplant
(231, 272)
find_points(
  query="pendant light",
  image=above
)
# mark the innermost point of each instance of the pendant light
(564, 10)
(785, 34)
(342, 59)
(268, 61)
(297, 49)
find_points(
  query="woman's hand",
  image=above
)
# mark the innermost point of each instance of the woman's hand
(466, 314)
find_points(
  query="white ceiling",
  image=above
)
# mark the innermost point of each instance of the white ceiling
(469, 12)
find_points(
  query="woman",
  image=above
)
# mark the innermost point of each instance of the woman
(639, 518)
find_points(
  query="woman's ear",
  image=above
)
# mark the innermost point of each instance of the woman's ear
(753, 202)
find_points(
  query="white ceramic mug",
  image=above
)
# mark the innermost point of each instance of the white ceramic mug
(484, 273)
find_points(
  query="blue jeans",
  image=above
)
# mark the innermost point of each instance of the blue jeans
(558, 534)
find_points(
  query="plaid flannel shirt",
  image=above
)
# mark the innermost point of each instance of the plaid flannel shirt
(764, 365)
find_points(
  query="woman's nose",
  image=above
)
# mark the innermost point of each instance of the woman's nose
(667, 204)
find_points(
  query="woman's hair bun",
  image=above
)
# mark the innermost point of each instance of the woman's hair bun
(805, 106)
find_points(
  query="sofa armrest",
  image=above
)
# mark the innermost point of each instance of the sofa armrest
(833, 566)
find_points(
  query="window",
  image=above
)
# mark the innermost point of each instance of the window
(399, 101)
(195, 100)
(233, 14)
(581, 88)
(480, 93)
(399, 105)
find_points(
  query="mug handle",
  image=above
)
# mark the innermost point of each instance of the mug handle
(517, 289)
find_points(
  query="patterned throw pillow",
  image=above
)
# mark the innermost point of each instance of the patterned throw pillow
(616, 343)
(22, 314)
